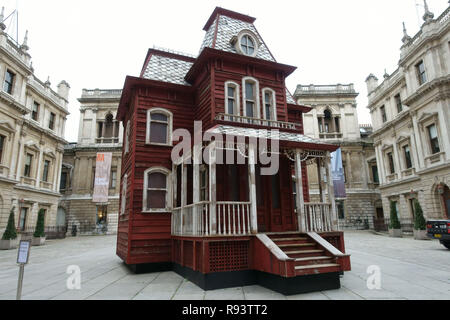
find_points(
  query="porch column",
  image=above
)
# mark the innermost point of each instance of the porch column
(319, 179)
(330, 190)
(196, 186)
(299, 192)
(252, 189)
(212, 189)
(183, 194)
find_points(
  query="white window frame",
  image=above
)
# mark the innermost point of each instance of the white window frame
(237, 105)
(256, 115)
(127, 137)
(123, 204)
(169, 126)
(254, 39)
(168, 175)
(273, 109)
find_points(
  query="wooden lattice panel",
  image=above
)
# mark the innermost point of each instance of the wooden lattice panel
(228, 256)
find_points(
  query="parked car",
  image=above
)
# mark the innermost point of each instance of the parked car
(439, 229)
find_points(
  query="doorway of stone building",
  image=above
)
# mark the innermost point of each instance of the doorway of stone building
(102, 219)
(445, 198)
(379, 223)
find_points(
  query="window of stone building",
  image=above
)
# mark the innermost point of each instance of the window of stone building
(391, 162)
(156, 190)
(46, 171)
(407, 154)
(108, 130)
(411, 208)
(421, 74)
(434, 141)
(398, 103)
(23, 218)
(383, 114)
(344, 168)
(35, 111)
(337, 125)
(2, 146)
(51, 121)
(28, 163)
(376, 179)
(9, 82)
(159, 125)
(113, 179)
(63, 183)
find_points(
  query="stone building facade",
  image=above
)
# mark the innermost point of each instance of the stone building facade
(98, 132)
(410, 112)
(334, 119)
(32, 123)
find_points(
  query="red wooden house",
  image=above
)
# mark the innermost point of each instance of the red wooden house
(224, 224)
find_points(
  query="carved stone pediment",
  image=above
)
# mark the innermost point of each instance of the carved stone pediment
(426, 115)
(6, 125)
(32, 146)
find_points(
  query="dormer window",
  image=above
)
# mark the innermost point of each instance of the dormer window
(246, 43)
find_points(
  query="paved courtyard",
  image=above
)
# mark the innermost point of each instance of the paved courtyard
(409, 270)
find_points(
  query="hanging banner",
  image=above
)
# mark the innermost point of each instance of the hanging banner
(102, 171)
(337, 172)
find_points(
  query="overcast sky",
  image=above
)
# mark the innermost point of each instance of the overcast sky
(96, 43)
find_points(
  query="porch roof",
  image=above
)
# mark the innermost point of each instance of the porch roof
(287, 139)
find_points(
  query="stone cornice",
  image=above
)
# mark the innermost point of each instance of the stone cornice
(8, 99)
(45, 131)
(42, 191)
(390, 124)
(427, 87)
(379, 95)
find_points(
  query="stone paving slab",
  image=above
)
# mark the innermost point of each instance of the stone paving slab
(409, 270)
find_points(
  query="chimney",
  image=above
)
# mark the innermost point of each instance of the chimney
(372, 83)
(63, 89)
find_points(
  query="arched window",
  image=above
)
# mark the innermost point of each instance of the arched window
(232, 105)
(108, 129)
(159, 126)
(123, 203)
(251, 97)
(156, 190)
(270, 109)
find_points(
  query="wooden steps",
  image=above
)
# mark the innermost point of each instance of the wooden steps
(309, 257)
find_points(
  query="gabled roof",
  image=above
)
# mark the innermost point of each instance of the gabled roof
(223, 25)
(166, 66)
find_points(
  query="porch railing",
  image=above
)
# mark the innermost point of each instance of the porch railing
(318, 217)
(232, 218)
(257, 121)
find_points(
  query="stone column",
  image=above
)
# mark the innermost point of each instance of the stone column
(38, 172)
(398, 169)
(57, 171)
(444, 126)
(15, 147)
(81, 125)
(349, 169)
(420, 153)
(364, 170)
(19, 162)
(299, 192)
(380, 164)
(94, 125)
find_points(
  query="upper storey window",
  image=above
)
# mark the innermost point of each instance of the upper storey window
(251, 89)
(269, 104)
(421, 74)
(246, 43)
(9, 82)
(383, 114)
(159, 126)
(232, 98)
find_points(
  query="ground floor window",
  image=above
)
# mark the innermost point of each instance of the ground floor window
(23, 218)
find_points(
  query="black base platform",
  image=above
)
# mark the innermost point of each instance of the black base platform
(221, 280)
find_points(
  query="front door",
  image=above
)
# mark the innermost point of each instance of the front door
(446, 201)
(275, 200)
